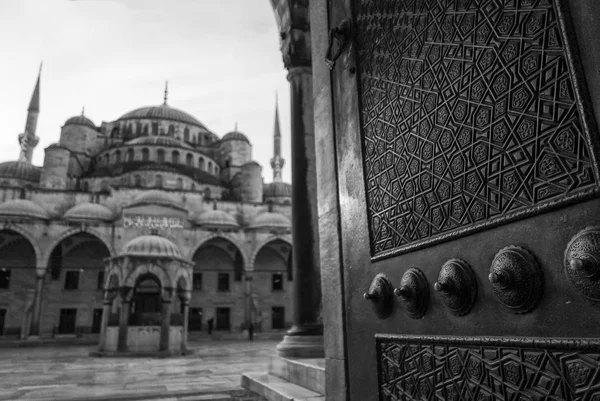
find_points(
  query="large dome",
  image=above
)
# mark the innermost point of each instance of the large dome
(162, 112)
(20, 170)
(151, 246)
(158, 141)
(80, 120)
(235, 136)
(277, 189)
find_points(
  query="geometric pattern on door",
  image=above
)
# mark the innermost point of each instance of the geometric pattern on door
(486, 369)
(472, 115)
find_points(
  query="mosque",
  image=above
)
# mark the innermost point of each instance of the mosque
(115, 207)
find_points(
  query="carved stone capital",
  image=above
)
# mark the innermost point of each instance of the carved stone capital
(126, 294)
(167, 294)
(295, 48)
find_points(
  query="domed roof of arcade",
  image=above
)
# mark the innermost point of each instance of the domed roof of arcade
(151, 246)
(156, 197)
(271, 220)
(89, 212)
(20, 170)
(23, 208)
(216, 218)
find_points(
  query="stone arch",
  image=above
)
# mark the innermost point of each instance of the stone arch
(29, 237)
(161, 155)
(227, 258)
(71, 232)
(224, 236)
(265, 242)
(182, 282)
(147, 268)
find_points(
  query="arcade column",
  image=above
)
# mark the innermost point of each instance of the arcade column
(109, 297)
(40, 275)
(167, 297)
(305, 338)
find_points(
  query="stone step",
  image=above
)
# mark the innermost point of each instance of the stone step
(275, 388)
(307, 373)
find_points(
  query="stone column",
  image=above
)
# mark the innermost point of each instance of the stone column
(305, 338)
(109, 297)
(126, 293)
(167, 296)
(185, 297)
(40, 275)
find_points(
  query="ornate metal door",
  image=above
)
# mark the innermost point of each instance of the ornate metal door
(468, 179)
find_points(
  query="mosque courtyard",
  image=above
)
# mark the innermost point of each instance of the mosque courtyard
(67, 373)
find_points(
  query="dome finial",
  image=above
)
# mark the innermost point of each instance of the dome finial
(166, 92)
(83, 111)
(235, 128)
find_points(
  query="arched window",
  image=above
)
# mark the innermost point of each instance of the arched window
(130, 155)
(155, 128)
(207, 193)
(201, 163)
(171, 130)
(179, 183)
(158, 181)
(175, 157)
(106, 159)
(186, 134)
(189, 160)
(145, 154)
(115, 132)
(160, 156)
(137, 181)
(138, 128)
(216, 170)
(118, 156)
(209, 167)
(193, 187)
(146, 129)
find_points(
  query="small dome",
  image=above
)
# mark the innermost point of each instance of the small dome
(216, 218)
(155, 197)
(271, 220)
(277, 189)
(235, 136)
(162, 112)
(151, 246)
(89, 212)
(20, 170)
(23, 208)
(80, 120)
(158, 141)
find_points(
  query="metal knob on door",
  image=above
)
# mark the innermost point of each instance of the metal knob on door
(413, 293)
(582, 263)
(457, 285)
(381, 295)
(517, 279)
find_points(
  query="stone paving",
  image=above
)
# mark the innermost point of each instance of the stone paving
(67, 373)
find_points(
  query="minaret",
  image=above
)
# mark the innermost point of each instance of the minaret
(27, 140)
(277, 162)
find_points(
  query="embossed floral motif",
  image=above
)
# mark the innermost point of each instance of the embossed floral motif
(578, 373)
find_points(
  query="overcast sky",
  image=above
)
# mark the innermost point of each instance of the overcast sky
(221, 58)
